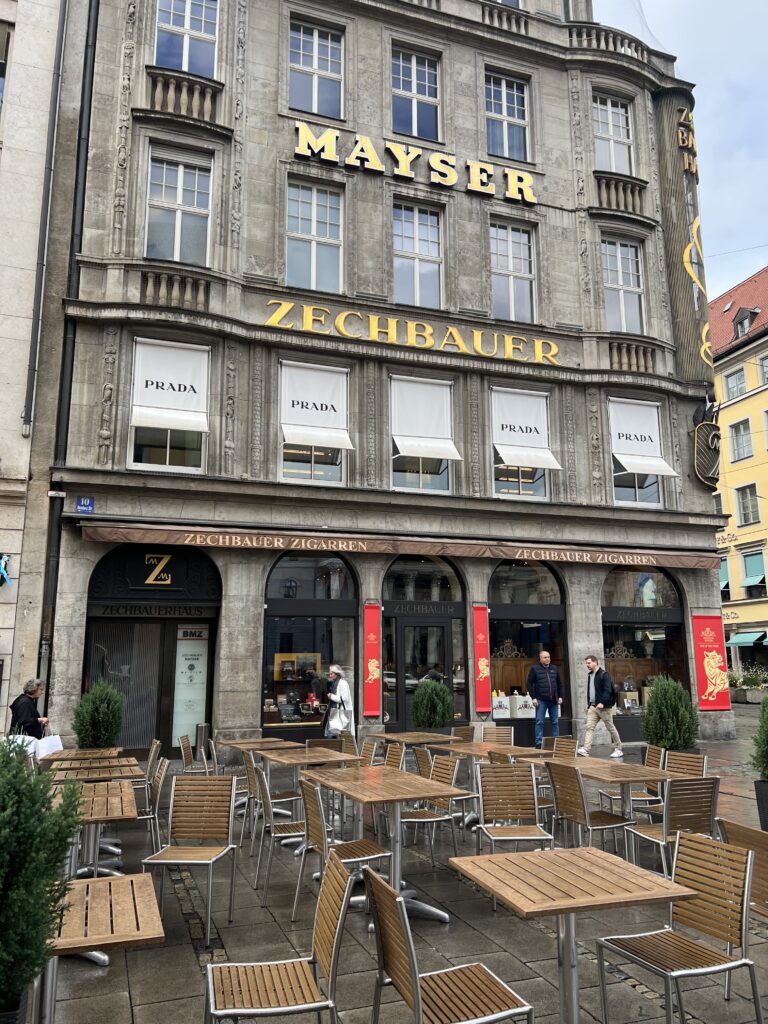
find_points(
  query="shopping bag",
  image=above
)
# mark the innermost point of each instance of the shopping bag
(48, 745)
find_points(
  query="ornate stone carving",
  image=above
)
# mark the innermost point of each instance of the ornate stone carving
(370, 421)
(237, 137)
(123, 130)
(569, 425)
(618, 652)
(577, 135)
(585, 273)
(230, 402)
(597, 482)
(677, 462)
(257, 396)
(106, 428)
(474, 426)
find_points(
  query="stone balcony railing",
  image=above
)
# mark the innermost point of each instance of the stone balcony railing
(587, 36)
(431, 5)
(176, 289)
(620, 193)
(174, 92)
(633, 357)
(509, 19)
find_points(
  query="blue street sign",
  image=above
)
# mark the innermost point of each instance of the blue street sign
(85, 505)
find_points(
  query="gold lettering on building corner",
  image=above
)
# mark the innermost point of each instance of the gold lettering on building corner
(158, 575)
(270, 542)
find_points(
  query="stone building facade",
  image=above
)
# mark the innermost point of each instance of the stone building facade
(383, 351)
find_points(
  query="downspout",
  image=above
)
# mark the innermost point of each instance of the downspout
(53, 556)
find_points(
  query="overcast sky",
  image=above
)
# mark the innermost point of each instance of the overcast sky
(723, 49)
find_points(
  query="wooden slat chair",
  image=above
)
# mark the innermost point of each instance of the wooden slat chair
(437, 811)
(423, 761)
(689, 805)
(548, 742)
(325, 744)
(458, 994)
(642, 800)
(288, 986)
(564, 747)
(754, 839)
(570, 805)
(722, 875)
(253, 799)
(496, 757)
(149, 812)
(190, 765)
(499, 734)
(276, 830)
(149, 771)
(368, 752)
(200, 823)
(394, 757)
(317, 839)
(349, 744)
(685, 764)
(465, 733)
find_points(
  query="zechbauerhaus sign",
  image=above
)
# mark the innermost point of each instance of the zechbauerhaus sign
(208, 537)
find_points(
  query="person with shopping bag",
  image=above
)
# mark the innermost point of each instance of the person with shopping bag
(25, 718)
(340, 713)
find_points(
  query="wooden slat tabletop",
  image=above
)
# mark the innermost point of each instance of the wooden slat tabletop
(109, 913)
(81, 754)
(381, 785)
(482, 749)
(544, 882)
(83, 763)
(100, 773)
(297, 756)
(102, 802)
(412, 739)
(262, 744)
(605, 770)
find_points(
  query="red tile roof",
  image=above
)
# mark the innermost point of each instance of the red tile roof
(750, 294)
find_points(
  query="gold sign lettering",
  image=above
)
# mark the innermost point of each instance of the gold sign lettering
(405, 156)
(323, 146)
(157, 576)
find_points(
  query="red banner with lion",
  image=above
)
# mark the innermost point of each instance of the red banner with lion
(711, 664)
(371, 660)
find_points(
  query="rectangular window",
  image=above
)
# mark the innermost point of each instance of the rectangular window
(313, 418)
(5, 44)
(754, 574)
(741, 441)
(764, 370)
(735, 384)
(521, 452)
(506, 117)
(178, 209)
(186, 36)
(417, 255)
(169, 406)
(421, 417)
(623, 286)
(717, 500)
(636, 451)
(612, 127)
(317, 70)
(415, 96)
(512, 273)
(724, 583)
(313, 240)
(746, 503)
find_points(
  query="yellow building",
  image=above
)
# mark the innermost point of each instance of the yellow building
(739, 325)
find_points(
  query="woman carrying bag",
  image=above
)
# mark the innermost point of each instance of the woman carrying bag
(340, 712)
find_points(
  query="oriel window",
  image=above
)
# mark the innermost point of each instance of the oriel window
(186, 36)
(612, 127)
(506, 117)
(313, 244)
(418, 257)
(316, 74)
(512, 273)
(178, 211)
(622, 285)
(415, 95)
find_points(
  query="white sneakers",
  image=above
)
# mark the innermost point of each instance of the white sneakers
(582, 752)
(618, 752)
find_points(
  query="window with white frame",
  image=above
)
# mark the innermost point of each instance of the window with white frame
(186, 36)
(735, 384)
(764, 370)
(313, 419)
(415, 94)
(754, 574)
(313, 238)
(636, 451)
(521, 452)
(178, 209)
(741, 440)
(5, 46)
(316, 77)
(623, 285)
(512, 273)
(717, 501)
(725, 585)
(612, 128)
(747, 505)
(506, 116)
(743, 325)
(169, 406)
(421, 418)
(417, 255)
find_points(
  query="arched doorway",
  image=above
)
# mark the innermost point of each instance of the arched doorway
(643, 633)
(310, 623)
(424, 616)
(151, 633)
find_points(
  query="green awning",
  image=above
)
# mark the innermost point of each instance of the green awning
(753, 581)
(745, 639)
(725, 586)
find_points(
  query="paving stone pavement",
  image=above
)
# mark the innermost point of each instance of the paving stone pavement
(164, 985)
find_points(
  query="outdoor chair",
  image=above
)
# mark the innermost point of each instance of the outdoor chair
(642, 800)
(276, 830)
(722, 876)
(201, 813)
(548, 742)
(189, 765)
(754, 839)
(564, 747)
(465, 733)
(571, 806)
(288, 986)
(457, 994)
(149, 811)
(317, 840)
(325, 744)
(437, 810)
(149, 771)
(689, 806)
(349, 744)
(499, 734)
(423, 761)
(495, 757)
(685, 764)
(241, 791)
(253, 799)
(394, 757)
(368, 753)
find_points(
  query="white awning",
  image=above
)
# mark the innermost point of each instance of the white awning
(427, 447)
(522, 455)
(644, 465)
(170, 385)
(169, 419)
(320, 437)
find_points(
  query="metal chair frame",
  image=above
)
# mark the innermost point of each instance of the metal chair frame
(571, 807)
(149, 813)
(438, 810)
(650, 797)
(277, 831)
(190, 766)
(689, 805)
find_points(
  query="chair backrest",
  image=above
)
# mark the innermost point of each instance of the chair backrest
(326, 744)
(423, 761)
(685, 764)
(496, 757)
(264, 795)
(444, 769)
(721, 874)
(466, 733)
(548, 742)
(498, 734)
(394, 941)
(507, 793)
(754, 839)
(250, 774)
(690, 804)
(156, 786)
(654, 758)
(368, 752)
(152, 756)
(349, 744)
(332, 905)
(564, 746)
(186, 752)
(214, 757)
(314, 817)
(568, 791)
(202, 809)
(394, 755)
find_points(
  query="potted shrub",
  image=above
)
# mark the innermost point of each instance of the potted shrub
(99, 716)
(760, 763)
(753, 680)
(432, 706)
(670, 719)
(34, 842)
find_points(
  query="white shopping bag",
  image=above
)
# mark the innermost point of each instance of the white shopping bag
(28, 742)
(48, 745)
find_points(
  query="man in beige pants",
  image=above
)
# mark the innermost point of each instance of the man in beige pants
(600, 701)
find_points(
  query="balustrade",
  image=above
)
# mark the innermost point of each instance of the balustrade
(176, 93)
(183, 291)
(618, 193)
(598, 37)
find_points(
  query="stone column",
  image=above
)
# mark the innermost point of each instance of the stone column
(583, 589)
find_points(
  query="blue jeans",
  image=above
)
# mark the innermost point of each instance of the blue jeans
(542, 708)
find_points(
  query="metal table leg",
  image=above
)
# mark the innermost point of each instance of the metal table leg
(568, 968)
(413, 906)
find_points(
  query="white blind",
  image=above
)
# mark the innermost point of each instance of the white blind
(521, 429)
(636, 437)
(170, 386)
(313, 405)
(421, 418)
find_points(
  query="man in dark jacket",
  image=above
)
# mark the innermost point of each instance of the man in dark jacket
(25, 718)
(600, 701)
(545, 688)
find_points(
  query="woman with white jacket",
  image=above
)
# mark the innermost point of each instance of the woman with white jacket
(341, 716)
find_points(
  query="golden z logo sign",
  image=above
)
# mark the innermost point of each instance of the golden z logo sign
(706, 442)
(159, 575)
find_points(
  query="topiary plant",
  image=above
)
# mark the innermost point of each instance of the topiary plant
(670, 719)
(99, 716)
(432, 706)
(34, 842)
(760, 740)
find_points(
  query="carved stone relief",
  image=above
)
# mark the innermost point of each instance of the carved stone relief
(597, 480)
(474, 425)
(370, 421)
(239, 127)
(123, 131)
(569, 424)
(257, 399)
(106, 427)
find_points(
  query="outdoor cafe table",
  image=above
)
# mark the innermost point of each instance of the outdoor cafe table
(104, 803)
(104, 771)
(382, 785)
(411, 739)
(256, 746)
(543, 883)
(483, 749)
(81, 754)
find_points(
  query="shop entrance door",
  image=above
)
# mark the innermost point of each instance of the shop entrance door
(414, 650)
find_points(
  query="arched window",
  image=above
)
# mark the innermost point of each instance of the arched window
(411, 578)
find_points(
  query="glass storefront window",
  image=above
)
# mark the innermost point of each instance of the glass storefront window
(421, 579)
(305, 578)
(515, 647)
(523, 583)
(636, 652)
(639, 588)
